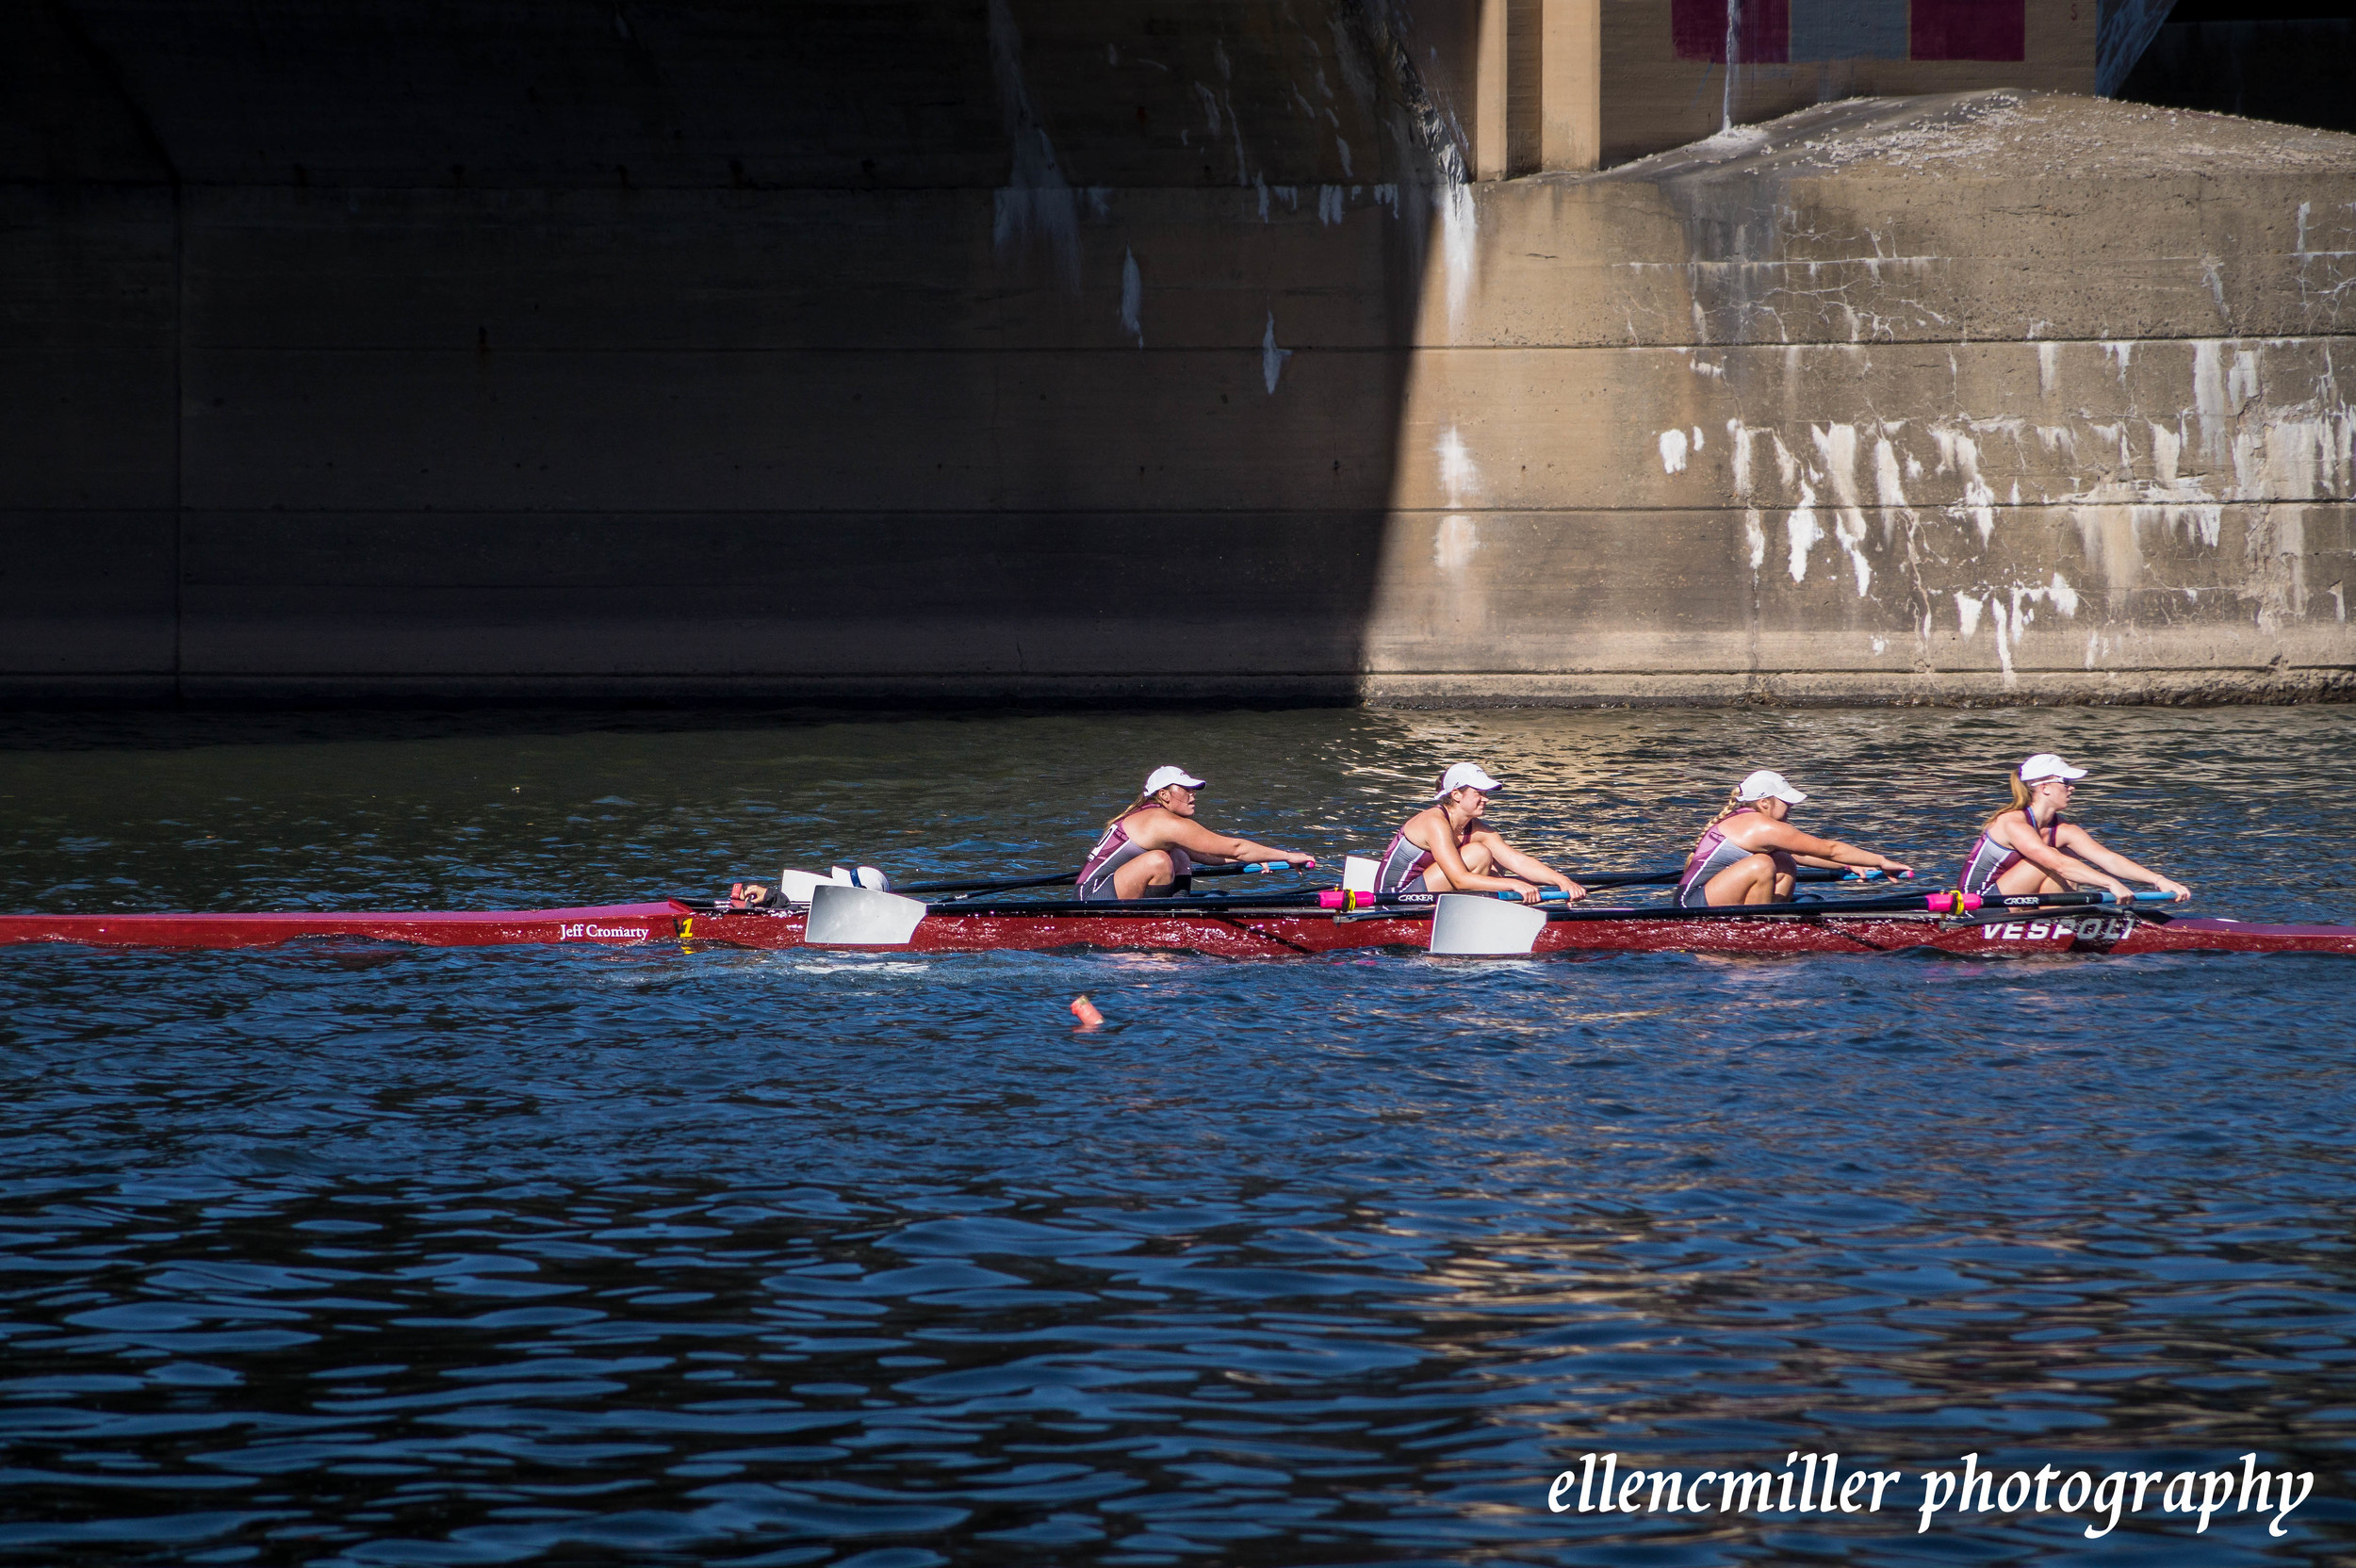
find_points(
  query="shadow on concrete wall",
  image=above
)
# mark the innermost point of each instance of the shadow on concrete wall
(1025, 350)
(2277, 64)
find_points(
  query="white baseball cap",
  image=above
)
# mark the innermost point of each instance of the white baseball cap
(1162, 779)
(1762, 784)
(2046, 765)
(1466, 776)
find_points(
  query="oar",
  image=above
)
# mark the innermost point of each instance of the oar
(1415, 905)
(1239, 869)
(1674, 874)
(2065, 901)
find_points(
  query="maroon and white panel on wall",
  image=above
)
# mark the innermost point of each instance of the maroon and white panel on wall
(1771, 32)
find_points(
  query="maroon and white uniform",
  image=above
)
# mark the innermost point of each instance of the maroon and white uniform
(1114, 850)
(1714, 854)
(1404, 864)
(1990, 859)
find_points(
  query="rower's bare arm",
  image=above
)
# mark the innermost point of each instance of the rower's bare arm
(2081, 843)
(2065, 865)
(1820, 852)
(1221, 848)
(1463, 878)
(1533, 869)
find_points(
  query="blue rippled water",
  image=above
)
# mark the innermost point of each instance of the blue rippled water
(355, 1254)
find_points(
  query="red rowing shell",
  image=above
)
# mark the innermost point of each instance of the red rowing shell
(1241, 934)
(603, 925)
(1237, 934)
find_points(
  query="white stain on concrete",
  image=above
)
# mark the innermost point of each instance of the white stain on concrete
(1271, 357)
(1037, 205)
(1802, 532)
(1835, 454)
(1132, 296)
(1460, 244)
(1967, 614)
(2208, 399)
(1741, 435)
(2048, 369)
(1460, 477)
(1454, 544)
(1959, 454)
(1330, 208)
(1755, 537)
(1672, 444)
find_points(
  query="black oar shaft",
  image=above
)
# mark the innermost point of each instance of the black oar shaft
(987, 886)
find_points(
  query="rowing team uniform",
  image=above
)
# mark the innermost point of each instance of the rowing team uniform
(1990, 859)
(1114, 850)
(1403, 864)
(1712, 854)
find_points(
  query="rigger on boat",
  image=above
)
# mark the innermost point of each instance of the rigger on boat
(2083, 908)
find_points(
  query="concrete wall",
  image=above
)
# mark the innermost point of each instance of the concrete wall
(1137, 351)
(885, 348)
(2002, 396)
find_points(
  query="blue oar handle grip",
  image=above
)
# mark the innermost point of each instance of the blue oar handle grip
(2153, 897)
(1872, 874)
(1550, 896)
(1257, 866)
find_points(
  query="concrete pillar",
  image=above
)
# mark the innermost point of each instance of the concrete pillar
(1492, 92)
(1570, 74)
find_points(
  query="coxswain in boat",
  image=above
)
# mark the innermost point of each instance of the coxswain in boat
(1750, 851)
(1151, 846)
(1446, 848)
(2028, 848)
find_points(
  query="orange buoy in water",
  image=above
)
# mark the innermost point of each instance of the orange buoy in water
(1085, 1011)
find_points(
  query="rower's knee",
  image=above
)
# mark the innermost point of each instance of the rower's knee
(1155, 868)
(1478, 860)
(1750, 880)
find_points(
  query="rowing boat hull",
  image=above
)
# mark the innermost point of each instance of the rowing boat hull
(1244, 935)
(1231, 934)
(600, 926)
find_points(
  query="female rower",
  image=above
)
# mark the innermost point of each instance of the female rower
(1750, 851)
(1151, 846)
(1445, 847)
(2028, 848)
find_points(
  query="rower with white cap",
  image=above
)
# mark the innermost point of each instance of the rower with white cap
(1445, 847)
(1750, 851)
(1152, 845)
(2027, 848)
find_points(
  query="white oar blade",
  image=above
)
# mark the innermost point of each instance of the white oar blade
(1358, 873)
(859, 917)
(798, 885)
(1479, 926)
